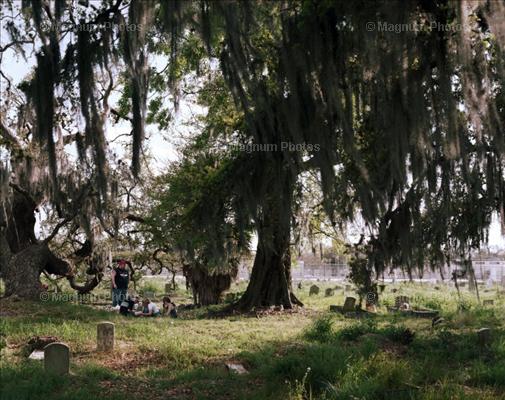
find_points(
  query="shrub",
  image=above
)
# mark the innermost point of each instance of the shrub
(321, 330)
(398, 334)
(356, 330)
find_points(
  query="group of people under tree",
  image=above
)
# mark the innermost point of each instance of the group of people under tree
(132, 305)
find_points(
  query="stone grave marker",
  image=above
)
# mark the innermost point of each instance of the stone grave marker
(484, 336)
(168, 288)
(105, 336)
(399, 300)
(329, 292)
(236, 368)
(57, 358)
(36, 355)
(488, 302)
(349, 304)
(149, 295)
(314, 289)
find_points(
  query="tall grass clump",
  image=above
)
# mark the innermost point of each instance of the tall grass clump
(321, 330)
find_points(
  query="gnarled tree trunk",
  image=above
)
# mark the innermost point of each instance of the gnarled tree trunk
(270, 283)
(207, 288)
(24, 258)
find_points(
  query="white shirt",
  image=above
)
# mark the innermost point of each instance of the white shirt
(152, 308)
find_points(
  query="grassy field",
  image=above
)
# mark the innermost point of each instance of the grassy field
(310, 354)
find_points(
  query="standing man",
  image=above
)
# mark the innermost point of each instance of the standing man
(120, 278)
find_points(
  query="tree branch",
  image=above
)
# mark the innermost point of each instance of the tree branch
(135, 218)
(58, 227)
(9, 136)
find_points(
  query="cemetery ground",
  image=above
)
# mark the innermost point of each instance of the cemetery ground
(308, 354)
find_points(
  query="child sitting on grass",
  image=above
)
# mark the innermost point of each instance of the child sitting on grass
(169, 308)
(129, 306)
(149, 309)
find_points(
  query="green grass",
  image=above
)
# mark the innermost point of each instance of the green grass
(307, 355)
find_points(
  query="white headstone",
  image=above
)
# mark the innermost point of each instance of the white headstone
(105, 336)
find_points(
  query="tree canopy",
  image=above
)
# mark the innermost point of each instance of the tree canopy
(404, 130)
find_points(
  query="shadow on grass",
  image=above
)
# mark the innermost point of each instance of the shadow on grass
(358, 361)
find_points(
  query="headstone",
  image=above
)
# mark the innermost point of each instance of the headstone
(370, 307)
(394, 290)
(329, 292)
(348, 288)
(300, 285)
(484, 336)
(437, 288)
(105, 336)
(36, 355)
(424, 313)
(382, 288)
(400, 300)
(335, 308)
(168, 287)
(236, 368)
(57, 358)
(314, 289)
(488, 302)
(149, 295)
(349, 304)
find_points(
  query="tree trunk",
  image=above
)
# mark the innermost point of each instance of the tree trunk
(23, 271)
(21, 222)
(207, 288)
(270, 283)
(24, 258)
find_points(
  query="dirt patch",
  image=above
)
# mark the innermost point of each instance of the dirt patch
(11, 307)
(129, 362)
(385, 344)
(229, 311)
(143, 389)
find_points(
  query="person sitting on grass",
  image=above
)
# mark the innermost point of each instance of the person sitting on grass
(149, 309)
(136, 303)
(169, 308)
(127, 306)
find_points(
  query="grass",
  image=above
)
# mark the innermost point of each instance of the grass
(311, 354)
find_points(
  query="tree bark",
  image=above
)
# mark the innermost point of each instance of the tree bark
(24, 258)
(22, 273)
(270, 283)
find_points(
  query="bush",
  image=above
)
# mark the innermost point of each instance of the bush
(398, 334)
(356, 330)
(489, 374)
(433, 304)
(321, 330)
(323, 361)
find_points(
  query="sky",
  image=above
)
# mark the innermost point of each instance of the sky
(161, 145)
